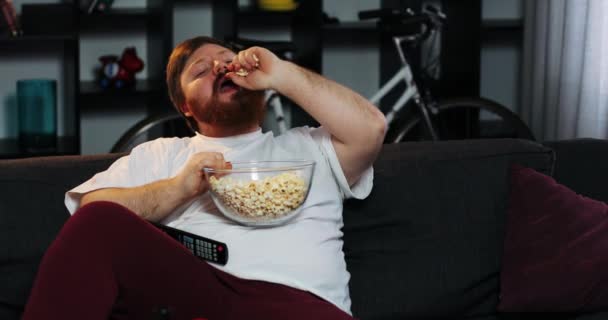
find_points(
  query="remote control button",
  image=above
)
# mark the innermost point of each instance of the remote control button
(220, 248)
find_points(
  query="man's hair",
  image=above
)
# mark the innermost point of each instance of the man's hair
(176, 65)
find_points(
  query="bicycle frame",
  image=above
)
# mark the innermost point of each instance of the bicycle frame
(273, 99)
(404, 74)
(411, 92)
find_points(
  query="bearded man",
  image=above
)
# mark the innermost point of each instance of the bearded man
(108, 261)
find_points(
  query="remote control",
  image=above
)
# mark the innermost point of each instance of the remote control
(204, 248)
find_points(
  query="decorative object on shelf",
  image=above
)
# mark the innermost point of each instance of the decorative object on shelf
(37, 104)
(115, 73)
(10, 17)
(99, 6)
(277, 5)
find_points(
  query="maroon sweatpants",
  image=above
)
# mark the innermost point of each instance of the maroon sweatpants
(107, 263)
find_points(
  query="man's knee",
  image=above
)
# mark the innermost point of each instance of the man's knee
(103, 215)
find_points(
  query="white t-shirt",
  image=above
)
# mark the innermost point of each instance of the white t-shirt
(305, 253)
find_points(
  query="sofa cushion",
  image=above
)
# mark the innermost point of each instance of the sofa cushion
(428, 241)
(31, 214)
(556, 245)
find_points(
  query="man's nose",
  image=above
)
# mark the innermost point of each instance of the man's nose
(219, 66)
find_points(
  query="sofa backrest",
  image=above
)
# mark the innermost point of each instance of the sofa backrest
(428, 241)
(31, 214)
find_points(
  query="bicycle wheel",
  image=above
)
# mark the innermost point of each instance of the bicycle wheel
(152, 127)
(465, 118)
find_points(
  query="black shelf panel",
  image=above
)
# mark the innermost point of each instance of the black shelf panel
(351, 26)
(121, 18)
(263, 17)
(91, 89)
(92, 95)
(9, 148)
(27, 39)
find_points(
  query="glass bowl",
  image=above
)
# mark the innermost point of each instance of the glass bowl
(261, 193)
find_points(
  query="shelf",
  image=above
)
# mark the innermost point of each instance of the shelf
(262, 17)
(33, 39)
(353, 26)
(120, 18)
(9, 148)
(91, 88)
(91, 94)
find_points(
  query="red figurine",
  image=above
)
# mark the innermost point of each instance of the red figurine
(120, 73)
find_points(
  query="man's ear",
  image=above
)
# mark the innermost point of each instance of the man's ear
(186, 110)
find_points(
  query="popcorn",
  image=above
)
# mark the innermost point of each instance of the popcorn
(269, 198)
(242, 72)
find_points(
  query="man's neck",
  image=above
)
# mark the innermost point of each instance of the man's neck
(216, 131)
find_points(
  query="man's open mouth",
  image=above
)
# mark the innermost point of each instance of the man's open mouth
(226, 85)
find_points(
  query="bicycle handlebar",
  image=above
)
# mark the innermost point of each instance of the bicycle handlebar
(405, 21)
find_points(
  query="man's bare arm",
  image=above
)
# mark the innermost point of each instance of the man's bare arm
(357, 127)
(152, 202)
(157, 200)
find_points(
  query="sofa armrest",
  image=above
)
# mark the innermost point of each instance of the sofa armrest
(31, 213)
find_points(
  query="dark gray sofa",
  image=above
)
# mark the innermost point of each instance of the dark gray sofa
(427, 243)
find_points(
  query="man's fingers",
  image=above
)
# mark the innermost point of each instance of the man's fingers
(209, 160)
(244, 61)
(256, 59)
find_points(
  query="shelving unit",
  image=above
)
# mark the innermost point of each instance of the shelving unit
(65, 45)
(461, 43)
(81, 95)
(157, 21)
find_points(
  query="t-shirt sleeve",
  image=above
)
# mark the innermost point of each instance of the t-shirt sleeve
(360, 189)
(127, 171)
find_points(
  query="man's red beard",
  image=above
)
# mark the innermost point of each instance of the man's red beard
(245, 108)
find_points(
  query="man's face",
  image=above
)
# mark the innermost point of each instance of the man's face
(211, 98)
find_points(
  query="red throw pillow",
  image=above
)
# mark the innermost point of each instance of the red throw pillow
(556, 248)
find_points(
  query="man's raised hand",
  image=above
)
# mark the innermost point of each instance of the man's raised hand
(255, 69)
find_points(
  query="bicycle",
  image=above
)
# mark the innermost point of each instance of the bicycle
(431, 118)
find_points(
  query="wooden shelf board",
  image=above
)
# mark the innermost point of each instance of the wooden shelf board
(37, 38)
(93, 96)
(9, 148)
(118, 18)
(253, 16)
(351, 26)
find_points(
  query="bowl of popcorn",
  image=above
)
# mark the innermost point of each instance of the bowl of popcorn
(261, 193)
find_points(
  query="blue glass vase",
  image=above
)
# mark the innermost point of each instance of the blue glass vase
(37, 104)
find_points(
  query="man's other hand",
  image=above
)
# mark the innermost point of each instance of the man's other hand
(191, 179)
